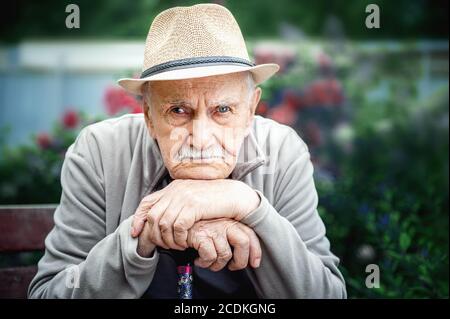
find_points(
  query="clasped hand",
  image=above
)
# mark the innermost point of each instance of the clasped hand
(204, 215)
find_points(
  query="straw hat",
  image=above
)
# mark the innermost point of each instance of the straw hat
(192, 42)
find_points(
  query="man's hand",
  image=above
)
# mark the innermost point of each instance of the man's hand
(213, 240)
(172, 211)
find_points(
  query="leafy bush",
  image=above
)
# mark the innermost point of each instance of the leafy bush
(390, 206)
(30, 174)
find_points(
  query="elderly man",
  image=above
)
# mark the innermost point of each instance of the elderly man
(198, 178)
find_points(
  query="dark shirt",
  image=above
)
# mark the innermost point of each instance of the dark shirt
(206, 283)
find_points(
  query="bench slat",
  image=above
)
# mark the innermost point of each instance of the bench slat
(15, 281)
(24, 228)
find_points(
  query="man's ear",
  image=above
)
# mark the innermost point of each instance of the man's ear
(253, 105)
(148, 119)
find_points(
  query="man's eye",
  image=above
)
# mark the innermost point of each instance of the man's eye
(223, 109)
(178, 110)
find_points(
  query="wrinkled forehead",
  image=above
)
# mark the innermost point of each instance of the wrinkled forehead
(213, 87)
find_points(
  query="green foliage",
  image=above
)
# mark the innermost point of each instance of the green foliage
(392, 197)
(403, 19)
(30, 174)
(389, 204)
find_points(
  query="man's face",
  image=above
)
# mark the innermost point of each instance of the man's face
(200, 124)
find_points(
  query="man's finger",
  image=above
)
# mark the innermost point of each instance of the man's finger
(255, 246)
(241, 244)
(137, 224)
(206, 252)
(140, 216)
(223, 251)
(184, 221)
(153, 217)
(166, 226)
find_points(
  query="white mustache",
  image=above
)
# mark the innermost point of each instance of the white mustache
(190, 153)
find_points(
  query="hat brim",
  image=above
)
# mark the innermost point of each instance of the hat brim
(260, 74)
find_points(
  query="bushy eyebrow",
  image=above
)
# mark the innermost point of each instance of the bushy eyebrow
(176, 101)
(226, 101)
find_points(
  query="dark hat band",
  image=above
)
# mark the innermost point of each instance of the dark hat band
(195, 62)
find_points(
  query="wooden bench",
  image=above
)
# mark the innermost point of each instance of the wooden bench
(22, 229)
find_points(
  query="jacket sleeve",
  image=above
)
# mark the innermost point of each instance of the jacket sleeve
(80, 260)
(296, 258)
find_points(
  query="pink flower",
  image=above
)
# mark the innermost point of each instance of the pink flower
(118, 100)
(262, 108)
(283, 56)
(137, 109)
(284, 114)
(44, 140)
(292, 99)
(70, 119)
(324, 92)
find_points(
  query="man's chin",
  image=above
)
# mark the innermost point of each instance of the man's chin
(200, 171)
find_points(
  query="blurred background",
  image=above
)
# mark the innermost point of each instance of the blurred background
(372, 104)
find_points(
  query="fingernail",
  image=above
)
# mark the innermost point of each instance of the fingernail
(257, 262)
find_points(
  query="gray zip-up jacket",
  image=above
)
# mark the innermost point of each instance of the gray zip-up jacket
(113, 164)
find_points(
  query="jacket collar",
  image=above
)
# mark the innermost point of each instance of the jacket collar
(250, 158)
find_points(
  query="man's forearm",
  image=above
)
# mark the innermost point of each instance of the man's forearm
(112, 262)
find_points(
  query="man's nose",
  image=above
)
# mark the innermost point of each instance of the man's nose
(202, 133)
